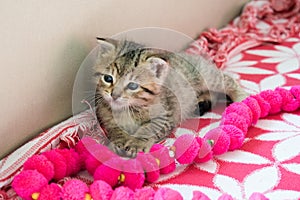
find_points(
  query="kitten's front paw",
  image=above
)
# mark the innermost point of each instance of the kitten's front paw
(130, 147)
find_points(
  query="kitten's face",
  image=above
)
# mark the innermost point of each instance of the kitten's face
(131, 80)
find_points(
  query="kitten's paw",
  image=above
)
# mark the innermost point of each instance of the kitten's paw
(130, 147)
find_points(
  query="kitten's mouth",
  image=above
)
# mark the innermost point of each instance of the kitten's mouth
(118, 105)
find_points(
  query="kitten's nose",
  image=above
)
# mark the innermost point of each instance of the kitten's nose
(115, 95)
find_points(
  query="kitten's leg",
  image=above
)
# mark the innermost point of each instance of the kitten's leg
(233, 89)
(156, 129)
(223, 83)
(127, 145)
(149, 133)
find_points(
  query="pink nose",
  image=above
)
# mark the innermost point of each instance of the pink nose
(115, 96)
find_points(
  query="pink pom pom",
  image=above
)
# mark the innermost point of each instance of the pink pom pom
(52, 191)
(295, 90)
(197, 195)
(100, 190)
(254, 107)
(205, 151)
(91, 164)
(225, 197)
(257, 196)
(82, 147)
(236, 136)
(241, 109)
(28, 182)
(74, 189)
(73, 160)
(109, 171)
(59, 163)
(265, 106)
(167, 194)
(274, 99)
(122, 193)
(235, 120)
(41, 164)
(289, 103)
(145, 193)
(98, 154)
(221, 141)
(150, 166)
(166, 163)
(134, 174)
(187, 148)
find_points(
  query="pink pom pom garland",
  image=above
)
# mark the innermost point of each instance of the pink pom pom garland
(128, 176)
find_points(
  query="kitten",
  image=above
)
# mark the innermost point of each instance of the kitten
(144, 93)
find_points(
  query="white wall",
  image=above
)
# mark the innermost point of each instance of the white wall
(44, 42)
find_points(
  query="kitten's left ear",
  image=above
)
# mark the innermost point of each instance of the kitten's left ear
(107, 46)
(159, 66)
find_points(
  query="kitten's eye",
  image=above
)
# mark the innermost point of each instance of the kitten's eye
(132, 86)
(108, 78)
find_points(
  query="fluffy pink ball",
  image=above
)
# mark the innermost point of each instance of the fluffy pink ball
(197, 195)
(52, 191)
(186, 148)
(28, 182)
(167, 194)
(264, 105)
(241, 109)
(82, 146)
(167, 163)
(221, 140)
(225, 197)
(100, 190)
(98, 154)
(235, 120)
(74, 189)
(274, 99)
(134, 174)
(41, 164)
(73, 160)
(109, 171)
(122, 193)
(254, 107)
(295, 90)
(205, 151)
(145, 193)
(59, 163)
(236, 136)
(289, 103)
(91, 164)
(258, 196)
(150, 166)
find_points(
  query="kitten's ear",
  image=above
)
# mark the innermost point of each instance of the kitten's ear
(159, 66)
(107, 45)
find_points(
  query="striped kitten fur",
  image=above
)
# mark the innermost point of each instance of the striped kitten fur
(143, 93)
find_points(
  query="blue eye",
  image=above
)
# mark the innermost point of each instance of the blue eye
(132, 86)
(108, 78)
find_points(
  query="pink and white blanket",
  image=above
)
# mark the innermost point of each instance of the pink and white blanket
(261, 49)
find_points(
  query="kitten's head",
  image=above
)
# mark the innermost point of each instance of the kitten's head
(129, 75)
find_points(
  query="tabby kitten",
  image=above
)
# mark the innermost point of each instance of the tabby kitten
(143, 93)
